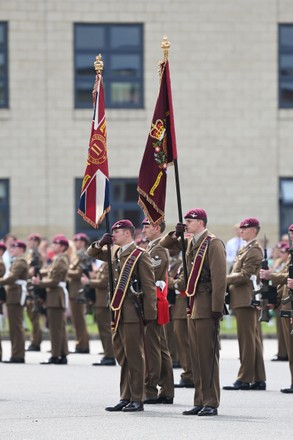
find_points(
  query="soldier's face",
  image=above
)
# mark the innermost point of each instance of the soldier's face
(150, 232)
(119, 236)
(247, 233)
(193, 226)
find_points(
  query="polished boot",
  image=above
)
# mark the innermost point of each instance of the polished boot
(80, 351)
(208, 411)
(33, 348)
(160, 399)
(62, 360)
(183, 384)
(15, 361)
(258, 385)
(238, 385)
(105, 362)
(120, 405)
(287, 390)
(133, 407)
(280, 358)
(193, 411)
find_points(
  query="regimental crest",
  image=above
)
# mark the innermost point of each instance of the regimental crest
(158, 130)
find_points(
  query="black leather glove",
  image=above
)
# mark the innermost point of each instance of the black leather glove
(217, 315)
(105, 240)
(179, 229)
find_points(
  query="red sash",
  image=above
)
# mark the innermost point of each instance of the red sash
(163, 305)
(196, 271)
(122, 286)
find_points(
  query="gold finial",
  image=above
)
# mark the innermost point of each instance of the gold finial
(99, 64)
(165, 45)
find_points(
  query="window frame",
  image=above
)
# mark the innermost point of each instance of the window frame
(5, 207)
(283, 105)
(109, 78)
(285, 207)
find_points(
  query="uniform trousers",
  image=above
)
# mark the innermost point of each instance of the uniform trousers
(129, 352)
(16, 330)
(252, 367)
(103, 320)
(57, 328)
(287, 328)
(160, 368)
(201, 334)
(282, 350)
(34, 317)
(79, 324)
(182, 344)
(169, 328)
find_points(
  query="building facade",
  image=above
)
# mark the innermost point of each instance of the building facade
(231, 64)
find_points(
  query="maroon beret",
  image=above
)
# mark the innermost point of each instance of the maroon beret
(19, 243)
(285, 248)
(81, 236)
(197, 213)
(146, 221)
(61, 239)
(3, 246)
(290, 227)
(249, 223)
(123, 224)
(34, 236)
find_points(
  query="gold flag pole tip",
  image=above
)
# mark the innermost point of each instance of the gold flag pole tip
(165, 45)
(99, 64)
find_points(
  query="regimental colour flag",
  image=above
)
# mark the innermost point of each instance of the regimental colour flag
(160, 151)
(94, 199)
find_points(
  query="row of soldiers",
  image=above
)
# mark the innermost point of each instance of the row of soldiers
(139, 309)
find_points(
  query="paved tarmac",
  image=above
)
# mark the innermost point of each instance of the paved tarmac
(49, 402)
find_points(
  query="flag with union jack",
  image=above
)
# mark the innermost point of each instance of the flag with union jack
(160, 151)
(94, 199)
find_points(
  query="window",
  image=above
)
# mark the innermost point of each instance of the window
(3, 65)
(286, 204)
(121, 47)
(286, 65)
(4, 207)
(123, 200)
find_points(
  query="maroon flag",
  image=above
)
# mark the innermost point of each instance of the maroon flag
(94, 199)
(160, 151)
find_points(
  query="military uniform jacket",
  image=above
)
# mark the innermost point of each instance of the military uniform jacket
(55, 274)
(2, 268)
(101, 284)
(18, 271)
(143, 270)
(247, 263)
(74, 274)
(280, 279)
(160, 259)
(211, 287)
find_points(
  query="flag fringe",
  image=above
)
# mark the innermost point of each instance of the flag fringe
(145, 210)
(88, 220)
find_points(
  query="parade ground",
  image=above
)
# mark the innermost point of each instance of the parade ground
(68, 402)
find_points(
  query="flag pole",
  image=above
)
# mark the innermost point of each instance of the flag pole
(165, 45)
(99, 66)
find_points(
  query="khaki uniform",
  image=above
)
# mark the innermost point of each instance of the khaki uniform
(247, 263)
(78, 310)
(160, 369)
(280, 279)
(32, 309)
(102, 310)
(128, 339)
(56, 304)
(209, 296)
(18, 271)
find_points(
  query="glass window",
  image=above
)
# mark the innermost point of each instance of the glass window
(121, 47)
(286, 65)
(123, 200)
(4, 207)
(286, 204)
(3, 65)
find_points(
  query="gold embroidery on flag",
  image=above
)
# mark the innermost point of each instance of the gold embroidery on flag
(156, 184)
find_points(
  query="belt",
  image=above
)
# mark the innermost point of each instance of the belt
(62, 284)
(22, 284)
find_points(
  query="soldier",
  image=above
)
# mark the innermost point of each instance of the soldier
(251, 374)
(2, 289)
(284, 283)
(102, 313)
(32, 305)
(132, 267)
(80, 264)
(160, 372)
(15, 283)
(206, 285)
(56, 300)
